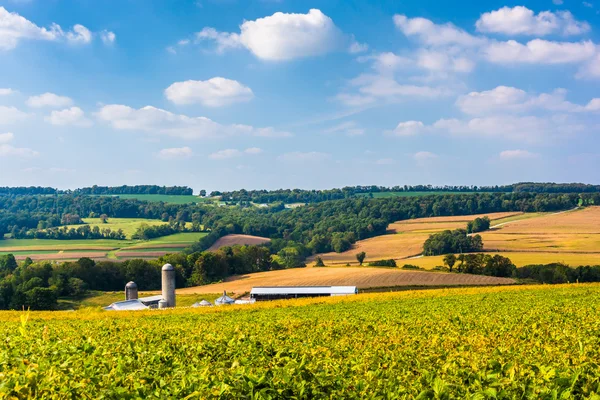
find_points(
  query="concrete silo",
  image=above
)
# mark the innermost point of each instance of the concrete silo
(131, 291)
(168, 284)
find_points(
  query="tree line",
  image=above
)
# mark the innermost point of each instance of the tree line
(98, 190)
(313, 196)
(39, 285)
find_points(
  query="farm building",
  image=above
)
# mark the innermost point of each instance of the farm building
(293, 292)
(224, 300)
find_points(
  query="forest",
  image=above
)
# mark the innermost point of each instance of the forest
(98, 190)
(313, 196)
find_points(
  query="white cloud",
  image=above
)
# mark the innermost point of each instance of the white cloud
(253, 150)
(435, 35)
(520, 20)
(49, 100)
(590, 70)
(175, 152)
(302, 157)
(6, 91)
(225, 154)
(14, 28)
(7, 150)
(518, 128)
(539, 51)
(380, 86)
(11, 115)
(282, 36)
(155, 120)
(435, 60)
(407, 128)
(349, 128)
(557, 2)
(517, 155)
(6, 137)
(215, 92)
(108, 37)
(71, 116)
(504, 99)
(356, 47)
(79, 35)
(587, 4)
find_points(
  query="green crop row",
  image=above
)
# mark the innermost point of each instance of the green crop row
(538, 342)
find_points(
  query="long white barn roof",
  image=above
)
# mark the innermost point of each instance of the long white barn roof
(288, 290)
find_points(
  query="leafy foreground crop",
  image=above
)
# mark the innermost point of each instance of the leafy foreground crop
(536, 342)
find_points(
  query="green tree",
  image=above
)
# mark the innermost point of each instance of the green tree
(450, 260)
(319, 262)
(360, 257)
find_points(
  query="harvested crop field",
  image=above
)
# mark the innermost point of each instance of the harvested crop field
(232, 240)
(355, 276)
(406, 238)
(570, 232)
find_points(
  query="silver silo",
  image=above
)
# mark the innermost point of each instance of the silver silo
(131, 291)
(168, 284)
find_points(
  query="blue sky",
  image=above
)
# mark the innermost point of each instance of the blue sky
(229, 94)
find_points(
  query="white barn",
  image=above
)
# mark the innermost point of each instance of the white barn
(294, 292)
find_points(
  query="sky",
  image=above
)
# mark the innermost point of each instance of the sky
(267, 94)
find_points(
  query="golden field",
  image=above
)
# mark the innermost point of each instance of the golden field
(571, 237)
(362, 277)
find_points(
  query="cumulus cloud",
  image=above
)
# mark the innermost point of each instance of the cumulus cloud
(6, 91)
(517, 155)
(520, 20)
(6, 137)
(505, 99)
(214, 92)
(530, 129)
(79, 35)
(433, 34)
(73, 116)
(283, 36)
(8, 150)
(15, 28)
(407, 128)
(539, 51)
(11, 115)
(253, 150)
(155, 120)
(50, 100)
(108, 37)
(302, 157)
(590, 70)
(175, 153)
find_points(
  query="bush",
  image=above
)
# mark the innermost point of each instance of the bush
(410, 266)
(383, 263)
(319, 262)
(440, 268)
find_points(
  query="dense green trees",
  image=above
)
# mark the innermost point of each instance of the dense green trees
(456, 241)
(478, 225)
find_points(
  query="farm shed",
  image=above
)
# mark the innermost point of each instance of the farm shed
(126, 305)
(293, 292)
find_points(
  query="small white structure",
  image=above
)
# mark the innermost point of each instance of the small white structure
(245, 301)
(293, 292)
(168, 284)
(202, 303)
(127, 305)
(224, 300)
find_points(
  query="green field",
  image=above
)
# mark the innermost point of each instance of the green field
(523, 342)
(128, 225)
(173, 199)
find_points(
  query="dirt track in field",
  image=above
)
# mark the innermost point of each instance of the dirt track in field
(352, 276)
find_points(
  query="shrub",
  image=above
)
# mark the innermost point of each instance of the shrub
(383, 263)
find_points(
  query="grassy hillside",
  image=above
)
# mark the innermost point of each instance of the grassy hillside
(535, 342)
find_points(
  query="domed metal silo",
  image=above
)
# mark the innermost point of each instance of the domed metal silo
(131, 291)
